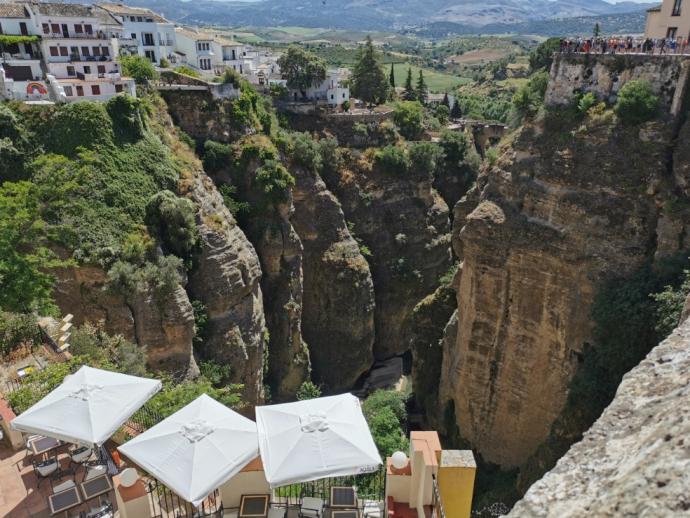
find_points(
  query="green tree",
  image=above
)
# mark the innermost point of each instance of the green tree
(456, 111)
(302, 69)
(138, 68)
(409, 117)
(636, 102)
(391, 76)
(455, 146)
(670, 304)
(542, 57)
(172, 218)
(446, 101)
(25, 257)
(421, 89)
(392, 160)
(386, 415)
(597, 30)
(409, 94)
(368, 79)
(308, 390)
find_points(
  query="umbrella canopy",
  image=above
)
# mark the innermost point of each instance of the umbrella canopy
(196, 449)
(88, 407)
(317, 438)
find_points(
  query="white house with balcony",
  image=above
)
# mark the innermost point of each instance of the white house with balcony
(80, 45)
(21, 75)
(228, 54)
(148, 34)
(196, 50)
(333, 91)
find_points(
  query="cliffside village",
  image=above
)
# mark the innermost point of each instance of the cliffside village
(59, 52)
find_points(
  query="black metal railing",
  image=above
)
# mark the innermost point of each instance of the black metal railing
(436, 503)
(369, 486)
(166, 504)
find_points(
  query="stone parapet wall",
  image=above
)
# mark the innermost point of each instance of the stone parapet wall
(604, 75)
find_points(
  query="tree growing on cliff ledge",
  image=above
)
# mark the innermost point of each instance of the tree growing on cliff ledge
(302, 69)
(369, 82)
(636, 102)
(138, 68)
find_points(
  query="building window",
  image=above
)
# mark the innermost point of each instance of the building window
(95, 90)
(68, 91)
(105, 51)
(96, 51)
(74, 51)
(70, 71)
(78, 28)
(87, 69)
(134, 35)
(139, 19)
(148, 39)
(151, 55)
(46, 28)
(676, 8)
(671, 32)
(118, 88)
(54, 51)
(88, 29)
(55, 28)
(64, 51)
(80, 91)
(0, 28)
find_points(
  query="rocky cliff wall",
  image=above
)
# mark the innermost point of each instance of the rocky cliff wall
(567, 205)
(605, 75)
(635, 460)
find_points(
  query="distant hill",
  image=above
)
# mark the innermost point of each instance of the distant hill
(382, 14)
(623, 23)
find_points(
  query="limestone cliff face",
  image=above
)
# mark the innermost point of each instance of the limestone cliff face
(634, 461)
(338, 301)
(404, 222)
(164, 325)
(563, 209)
(226, 280)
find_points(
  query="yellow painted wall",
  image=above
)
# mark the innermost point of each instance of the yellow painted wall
(456, 482)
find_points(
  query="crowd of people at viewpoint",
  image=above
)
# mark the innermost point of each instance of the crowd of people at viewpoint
(626, 45)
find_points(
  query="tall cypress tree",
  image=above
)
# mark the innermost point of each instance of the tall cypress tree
(446, 101)
(409, 94)
(422, 89)
(391, 77)
(368, 78)
(456, 112)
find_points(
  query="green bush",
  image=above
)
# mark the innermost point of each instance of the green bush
(425, 157)
(216, 156)
(305, 151)
(392, 160)
(530, 96)
(308, 390)
(235, 206)
(232, 77)
(14, 146)
(586, 102)
(386, 415)
(173, 219)
(455, 146)
(409, 117)
(161, 277)
(164, 63)
(83, 124)
(92, 342)
(138, 68)
(636, 103)
(669, 305)
(542, 57)
(187, 71)
(275, 181)
(125, 112)
(17, 329)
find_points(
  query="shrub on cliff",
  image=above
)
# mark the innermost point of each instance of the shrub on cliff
(670, 304)
(636, 102)
(172, 218)
(542, 57)
(17, 329)
(138, 68)
(425, 157)
(409, 117)
(216, 156)
(274, 180)
(386, 414)
(125, 112)
(82, 124)
(392, 160)
(14, 146)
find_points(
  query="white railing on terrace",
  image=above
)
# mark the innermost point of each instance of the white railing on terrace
(78, 35)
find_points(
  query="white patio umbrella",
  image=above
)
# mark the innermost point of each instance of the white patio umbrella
(316, 438)
(88, 407)
(196, 449)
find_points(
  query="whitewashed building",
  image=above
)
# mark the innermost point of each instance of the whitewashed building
(228, 54)
(21, 75)
(79, 44)
(196, 50)
(144, 32)
(333, 91)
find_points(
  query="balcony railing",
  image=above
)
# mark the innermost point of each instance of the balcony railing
(113, 76)
(437, 504)
(78, 35)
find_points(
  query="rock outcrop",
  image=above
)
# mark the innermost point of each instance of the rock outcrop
(561, 211)
(635, 460)
(226, 279)
(338, 300)
(404, 222)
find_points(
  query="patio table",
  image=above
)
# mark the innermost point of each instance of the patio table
(64, 500)
(96, 487)
(44, 445)
(254, 506)
(343, 497)
(352, 513)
